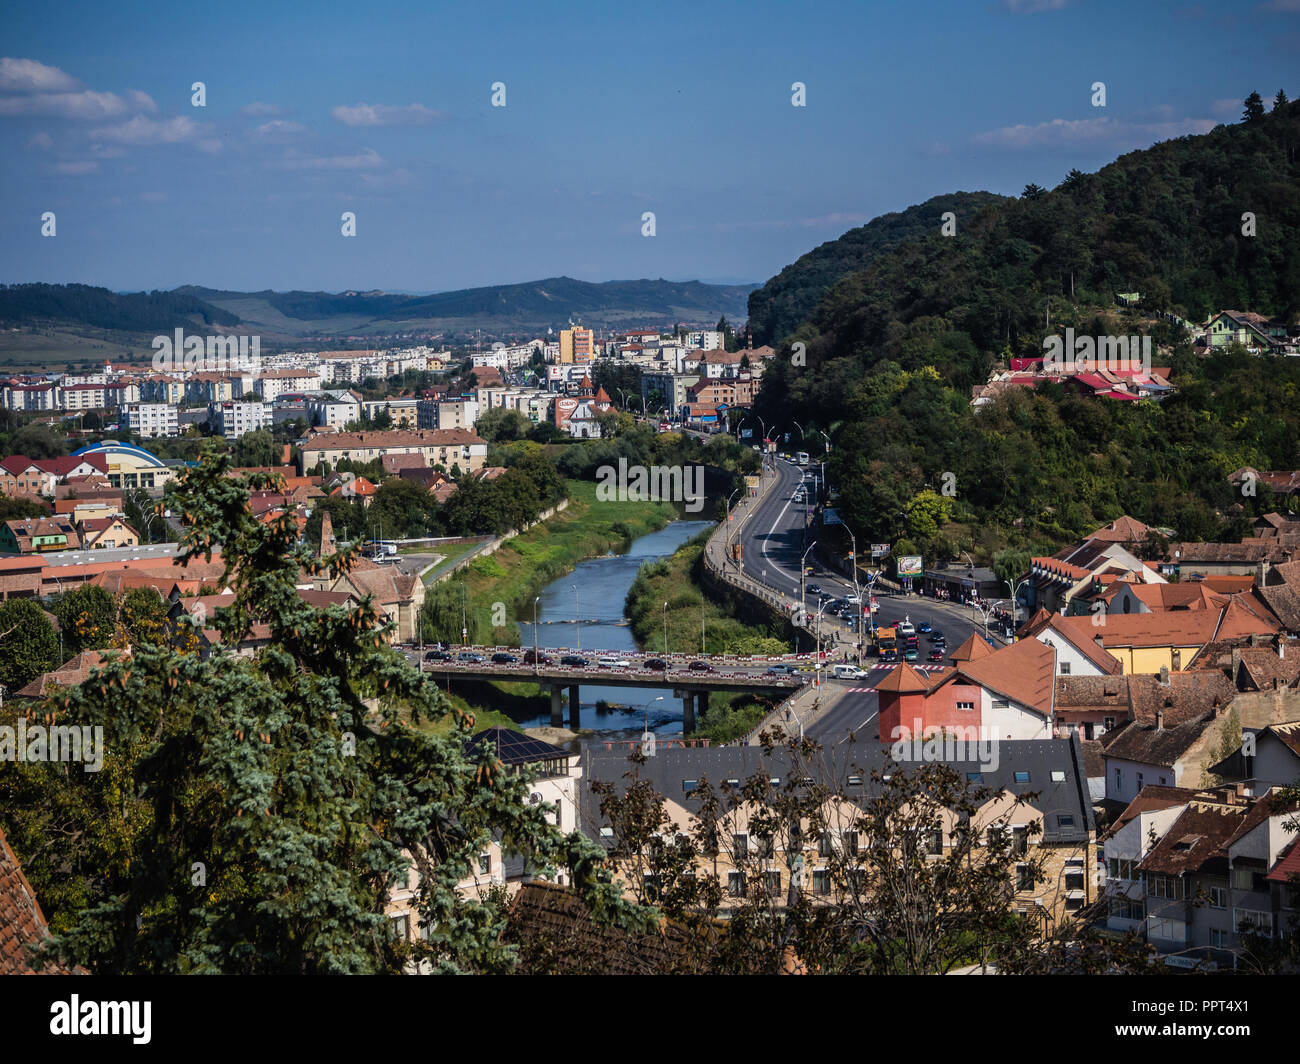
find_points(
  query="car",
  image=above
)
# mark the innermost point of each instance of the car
(782, 670)
(935, 655)
(852, 600)
(889, 655)
(504, 659)
(701, 666)
(923, 627)
(906, 628)
(576, 661)
(655, 664)
(938, 637)
(814, 589)
(470, 656)
(847, 672)
(910, 654)
(437, 655)
(613, 662)
(536, 657)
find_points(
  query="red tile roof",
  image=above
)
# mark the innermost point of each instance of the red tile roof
(22, 924)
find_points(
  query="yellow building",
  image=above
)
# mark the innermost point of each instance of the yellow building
(577, 345)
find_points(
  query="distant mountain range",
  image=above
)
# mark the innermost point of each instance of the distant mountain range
(499, 310)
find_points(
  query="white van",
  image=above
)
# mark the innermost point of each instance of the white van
(847, 672)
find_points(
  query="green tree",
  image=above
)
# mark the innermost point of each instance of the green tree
(253, 814)
(1011, 566)
(1279, 101)
(446, 609)
(1254, 109)
(28, 643)
(254, 449)
(87, 617)
(142, 615)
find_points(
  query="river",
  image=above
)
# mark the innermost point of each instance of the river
(603, 585)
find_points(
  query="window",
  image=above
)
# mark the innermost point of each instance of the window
(736, 884)
(974, 777)
(1126, 909)
(485, 864)
(1024, 878)
(1001, 703)
(400, 927)
(1058, 776)
(821, 881)
(1119, 779)
(1167, 930)
(1020, 840)
(855, 781)
(850, 843)
(740, 846)
(733, 783)
(689, 785)
(775, 781)
(1139, 781)
(774, 882)
(1074, 901)
(1243, 879)
(824, 847)
(1073, 880)
(606, 833)
(1021, 777)
(1163, 886)
(765, 847)
(966, 706)
(1219, 938)
(1064, 669)
(1108, 723)
(1065, 820)
(1253, 922)
(934, 843)
(651, 884)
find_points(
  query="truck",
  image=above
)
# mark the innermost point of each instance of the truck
(887, 638)
(802, 458)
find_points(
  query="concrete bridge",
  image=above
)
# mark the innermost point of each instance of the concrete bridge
(692, 686)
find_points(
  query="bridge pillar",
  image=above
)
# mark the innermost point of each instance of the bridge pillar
(575, 707)
(557, 707)
(689, 703)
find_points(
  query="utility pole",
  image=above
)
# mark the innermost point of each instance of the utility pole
(665, 631)
(577, 623)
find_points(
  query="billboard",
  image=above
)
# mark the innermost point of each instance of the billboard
(879, 550)
(909, 565)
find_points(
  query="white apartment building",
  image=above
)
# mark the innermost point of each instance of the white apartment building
(705, 339)
(446, 413)
(153, 419)
(270, 383)
(233, 420)
(333, 413)
(534, 403)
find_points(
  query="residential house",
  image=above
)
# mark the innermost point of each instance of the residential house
(445, 447)
(38, 535)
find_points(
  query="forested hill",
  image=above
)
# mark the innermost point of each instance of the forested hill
(777, 308)
(892, 351)
(157, 312)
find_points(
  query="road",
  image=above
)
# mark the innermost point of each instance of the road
(774, 541)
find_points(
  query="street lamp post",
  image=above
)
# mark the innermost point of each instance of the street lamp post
(702, 650)
(665, 632)
(857, 590)
(817, 673)
(464, 614)
(1015, 602)
(535, 602)
(802, 573)
(577, 624)
(731, 532)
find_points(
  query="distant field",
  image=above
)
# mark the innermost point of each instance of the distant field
(52, 348)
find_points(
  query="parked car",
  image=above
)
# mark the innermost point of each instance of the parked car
(701, 666)
(536, 657)
(576, 661)
(938, 638)
(935, 655)
(471, 657)
(656, 664)
(910, 654)
(613, 662)
(889, 655)
(437, 655)
(504, 659)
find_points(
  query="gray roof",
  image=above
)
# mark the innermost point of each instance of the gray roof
(671, 770)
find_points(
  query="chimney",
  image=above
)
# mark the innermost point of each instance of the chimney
(1160, 720)
(1164, 675)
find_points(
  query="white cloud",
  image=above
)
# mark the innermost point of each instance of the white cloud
(1061, 132)
(27, 75)
(142, 130)
(368, 159)
(41, 140)
(258, 109)
(1033, 7)
(86, 104)
(279, 129)
(365, 114)
(76, 169)
(1226, 108)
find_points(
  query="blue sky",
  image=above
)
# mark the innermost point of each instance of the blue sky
(683, 109)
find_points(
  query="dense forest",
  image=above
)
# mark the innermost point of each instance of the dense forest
(892, 351)
(157, 312)
(789, 298)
